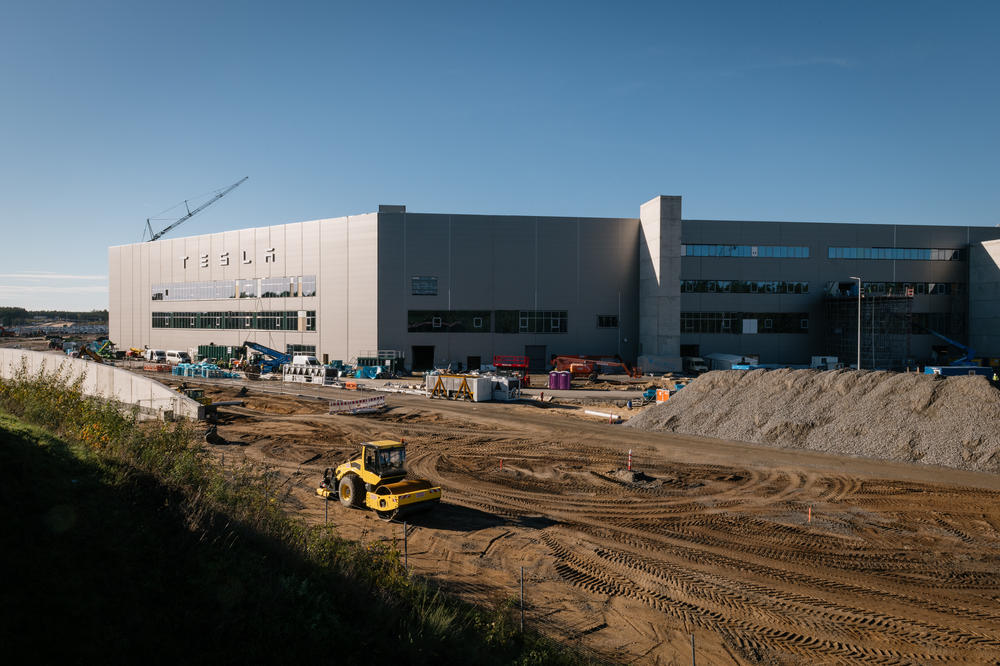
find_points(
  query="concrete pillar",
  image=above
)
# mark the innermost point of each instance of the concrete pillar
(660, 284)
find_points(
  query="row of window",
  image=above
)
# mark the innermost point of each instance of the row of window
(497, 321)
(801, 252)
(744, 322)
(743, 287)
(776, 251)
(896, 253)
(291, 320)
(918, 288)
(274, 287)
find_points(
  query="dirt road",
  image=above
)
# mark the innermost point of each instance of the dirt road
(766, 556)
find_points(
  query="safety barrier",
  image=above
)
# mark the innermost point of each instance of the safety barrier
(362, 406)
(104, 381)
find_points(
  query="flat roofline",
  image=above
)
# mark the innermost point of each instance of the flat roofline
(866, 224)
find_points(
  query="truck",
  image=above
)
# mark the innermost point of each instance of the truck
(174, 357)
(694, 365)
(155, 356)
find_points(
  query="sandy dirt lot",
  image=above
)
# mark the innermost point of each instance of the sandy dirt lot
(766, 556)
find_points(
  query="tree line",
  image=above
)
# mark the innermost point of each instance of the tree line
(11, 316)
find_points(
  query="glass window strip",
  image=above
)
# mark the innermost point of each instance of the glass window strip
(278, 287)
(897, 253)
(744, 287)
(759, 251)
(731, 323)
(262, 321)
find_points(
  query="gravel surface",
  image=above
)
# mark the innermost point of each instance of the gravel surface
(953, 421)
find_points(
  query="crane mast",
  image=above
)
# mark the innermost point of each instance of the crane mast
(192, 213)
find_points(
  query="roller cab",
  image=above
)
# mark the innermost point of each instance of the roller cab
(376, 479)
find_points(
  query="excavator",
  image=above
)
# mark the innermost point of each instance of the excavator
(587, 367)
(376, 479)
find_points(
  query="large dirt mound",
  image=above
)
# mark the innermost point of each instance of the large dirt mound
(952, 421)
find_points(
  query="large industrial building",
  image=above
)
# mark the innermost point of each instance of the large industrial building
(438, 288)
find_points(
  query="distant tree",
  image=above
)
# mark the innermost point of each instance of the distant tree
(19, 316)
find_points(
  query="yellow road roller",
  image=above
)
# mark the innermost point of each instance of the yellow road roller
(377, 479)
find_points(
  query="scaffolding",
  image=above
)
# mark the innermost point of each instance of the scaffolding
(886, 327)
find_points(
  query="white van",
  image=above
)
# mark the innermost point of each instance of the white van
(156, 356)
(174, 357)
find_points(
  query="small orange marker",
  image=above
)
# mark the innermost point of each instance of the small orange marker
(810, 514)
(501, 464)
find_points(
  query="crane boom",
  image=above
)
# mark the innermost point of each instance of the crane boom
(192, 213)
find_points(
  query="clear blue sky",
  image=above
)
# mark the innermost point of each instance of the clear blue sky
(883, 112)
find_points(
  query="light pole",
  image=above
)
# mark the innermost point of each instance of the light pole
(859, 319)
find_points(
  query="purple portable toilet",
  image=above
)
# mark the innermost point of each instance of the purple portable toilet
(554, 380)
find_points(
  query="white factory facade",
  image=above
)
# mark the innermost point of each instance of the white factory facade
(437, 288)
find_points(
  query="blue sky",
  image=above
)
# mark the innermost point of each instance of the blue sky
(881, 112)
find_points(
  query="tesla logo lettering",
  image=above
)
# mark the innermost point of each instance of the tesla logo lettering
(270, 256)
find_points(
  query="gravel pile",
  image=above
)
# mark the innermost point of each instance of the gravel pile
(953, 421)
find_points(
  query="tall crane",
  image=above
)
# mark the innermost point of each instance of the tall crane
(192, 213)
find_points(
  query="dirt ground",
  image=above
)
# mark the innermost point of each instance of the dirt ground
(766, 556)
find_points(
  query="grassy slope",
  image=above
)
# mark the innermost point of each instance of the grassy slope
(102, 565)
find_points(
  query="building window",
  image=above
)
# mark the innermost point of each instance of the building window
(744, 287)
(424, 285)
(542, 321)
(765, 251)
(897, 253)
(262, 321)
(737, 322)
(607, 321)
(447, 321)
(279, 287)
(300, 349)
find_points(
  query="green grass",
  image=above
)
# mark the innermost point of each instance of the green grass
(125, 543)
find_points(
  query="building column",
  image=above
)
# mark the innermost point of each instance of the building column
(660, 284)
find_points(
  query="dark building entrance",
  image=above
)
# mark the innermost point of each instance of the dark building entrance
(423, 357)
(472, 363)
(536, 358)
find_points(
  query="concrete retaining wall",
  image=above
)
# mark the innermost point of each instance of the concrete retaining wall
(153, 398)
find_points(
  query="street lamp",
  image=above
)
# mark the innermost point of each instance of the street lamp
(859, 319)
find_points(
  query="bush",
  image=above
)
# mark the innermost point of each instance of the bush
(310, 584)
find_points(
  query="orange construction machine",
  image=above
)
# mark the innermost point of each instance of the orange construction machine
(584, 366)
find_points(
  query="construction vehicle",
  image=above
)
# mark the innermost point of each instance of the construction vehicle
(271, 360)
(85, 350)
(198, 395)
(515, 366)
(968, 356)
(587, 367)
(377, 479)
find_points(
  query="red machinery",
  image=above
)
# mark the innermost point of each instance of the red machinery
(587, 367)
(515, 365)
